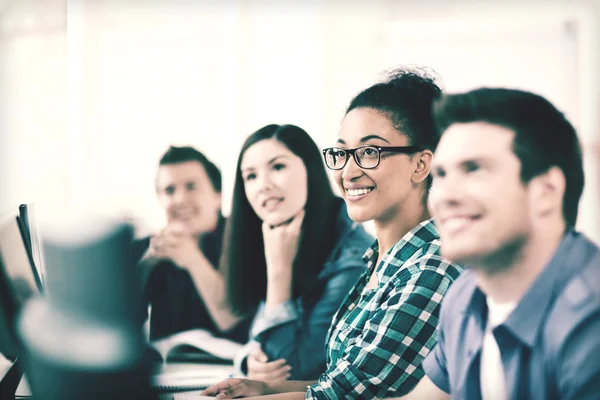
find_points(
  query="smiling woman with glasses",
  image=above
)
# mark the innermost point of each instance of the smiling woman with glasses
(387, 324)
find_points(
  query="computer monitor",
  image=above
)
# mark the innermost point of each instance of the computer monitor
(23, 220)
(32, 241)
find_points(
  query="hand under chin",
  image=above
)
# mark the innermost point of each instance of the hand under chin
(278, 223)
(281, 220)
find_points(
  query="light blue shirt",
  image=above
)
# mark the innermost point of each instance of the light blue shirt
(549, 344)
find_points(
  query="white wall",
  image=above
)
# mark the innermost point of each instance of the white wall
(33, 141)
(99, 99)
(551, 49)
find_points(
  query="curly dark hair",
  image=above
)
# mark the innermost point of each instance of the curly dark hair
(406, 96)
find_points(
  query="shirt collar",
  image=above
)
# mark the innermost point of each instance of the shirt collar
(526, 319)
(370, 256)
(418, 237)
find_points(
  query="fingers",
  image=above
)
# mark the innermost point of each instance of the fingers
(169, 239)
(239, 390)
(158, 248)
(258, 355)
(176, 228)
(244, 388)
(282, 373)
(222, 386)
(266, 228)
(262, 366)
(292, 225)
(160, 241)
(267, 371)
(154, 249)
(166, 241)
(270, 367)
(296, 223)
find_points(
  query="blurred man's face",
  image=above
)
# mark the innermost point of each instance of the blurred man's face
(480, 205)
(188, 196)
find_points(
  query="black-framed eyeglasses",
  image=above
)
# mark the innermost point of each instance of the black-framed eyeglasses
(366, 157)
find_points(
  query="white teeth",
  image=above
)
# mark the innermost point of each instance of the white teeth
(456, 223)
(271, 202)
(358, 192)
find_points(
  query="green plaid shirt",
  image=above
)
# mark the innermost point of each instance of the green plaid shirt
(379, 337)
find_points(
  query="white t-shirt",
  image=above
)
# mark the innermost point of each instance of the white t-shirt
(492, 379)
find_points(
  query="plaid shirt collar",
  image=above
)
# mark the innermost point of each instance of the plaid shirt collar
(421, 235)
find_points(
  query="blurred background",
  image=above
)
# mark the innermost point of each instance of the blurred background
(92, 92)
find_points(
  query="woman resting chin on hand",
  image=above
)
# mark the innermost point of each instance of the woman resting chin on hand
(290, 255)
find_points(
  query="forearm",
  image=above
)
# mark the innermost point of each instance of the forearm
(298, 334)
(287, 387)
(282, 396)
(426, 389)
(210, 284)
(301, 346)
(279, 289)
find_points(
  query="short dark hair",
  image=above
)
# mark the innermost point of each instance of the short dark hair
(406, 97)
(544, 138)
(178, 155)
(243, 258)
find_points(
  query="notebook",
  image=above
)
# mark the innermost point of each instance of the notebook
(189, 377)
(196, 394)
(196, 345)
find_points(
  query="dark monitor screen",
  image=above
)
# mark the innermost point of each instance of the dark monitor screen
(31, 239)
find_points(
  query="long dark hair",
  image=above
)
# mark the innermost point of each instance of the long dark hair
(243, 258)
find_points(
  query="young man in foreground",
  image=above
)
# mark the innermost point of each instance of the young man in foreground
(523, 322)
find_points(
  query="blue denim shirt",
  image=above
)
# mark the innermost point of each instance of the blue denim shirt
(550, 343)
(296, 329)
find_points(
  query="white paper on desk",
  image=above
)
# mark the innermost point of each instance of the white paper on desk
(192, 395)
(200, 339)
(188, 378)
(195, 394)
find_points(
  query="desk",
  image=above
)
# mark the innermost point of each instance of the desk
(218, 371)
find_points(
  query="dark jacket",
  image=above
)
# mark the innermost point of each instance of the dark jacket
(176, 305)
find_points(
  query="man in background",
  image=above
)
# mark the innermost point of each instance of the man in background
(177, 266)
(523, 322)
